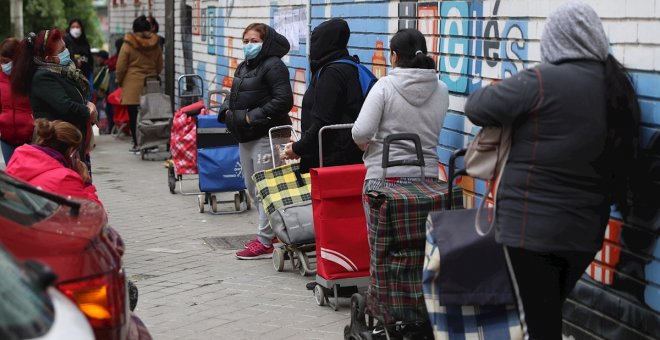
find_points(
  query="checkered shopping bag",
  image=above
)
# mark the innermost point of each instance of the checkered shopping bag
(285, 195)
(397, 215)
(282, 186)
(454, 322)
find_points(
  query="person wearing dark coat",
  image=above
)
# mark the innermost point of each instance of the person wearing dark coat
(261, 98)
(334, 96)
(573, 121)
(57, 89)
(79, 48)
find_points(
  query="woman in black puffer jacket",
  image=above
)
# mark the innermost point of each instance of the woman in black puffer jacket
(261, 98)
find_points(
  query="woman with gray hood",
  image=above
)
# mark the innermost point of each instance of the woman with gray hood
(410, 99)
(575, 123)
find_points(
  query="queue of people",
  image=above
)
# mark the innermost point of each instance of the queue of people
(550, 236)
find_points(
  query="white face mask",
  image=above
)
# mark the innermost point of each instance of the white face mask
(75, 32)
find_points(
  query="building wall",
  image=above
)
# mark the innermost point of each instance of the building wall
(474, 42)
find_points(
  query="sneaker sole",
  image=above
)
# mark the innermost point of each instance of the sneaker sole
(258, 257)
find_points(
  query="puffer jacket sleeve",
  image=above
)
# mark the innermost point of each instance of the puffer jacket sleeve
(276, 77)
(501, 103)
(49, 90)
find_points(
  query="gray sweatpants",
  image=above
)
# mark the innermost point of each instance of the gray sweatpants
(255, 157)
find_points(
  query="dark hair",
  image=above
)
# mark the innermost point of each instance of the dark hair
(153, 22)
(410, 46)
(83, 36)
(102, 54)
(58, 135)
(118, 43)
(141, 24)
(24, 66)
(623, 120)
(9, 47)
(259, 28)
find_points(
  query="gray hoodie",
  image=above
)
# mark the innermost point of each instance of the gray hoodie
(405, 101)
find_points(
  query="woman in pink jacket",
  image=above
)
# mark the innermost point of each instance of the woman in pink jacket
(53, 163)
(16, 122)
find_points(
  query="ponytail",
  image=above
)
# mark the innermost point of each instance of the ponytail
(623, 119)
(410, 47)
(33, 46)
(24, 66)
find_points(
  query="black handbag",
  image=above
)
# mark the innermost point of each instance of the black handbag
(472, 268)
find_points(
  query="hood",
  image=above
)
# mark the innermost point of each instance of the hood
(415, 85)
(141, 43)
(573, 31)
(274, 44)
(80, 42)
(329, 42)
(28, 162)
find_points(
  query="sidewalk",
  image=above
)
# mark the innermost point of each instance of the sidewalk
(187, 289)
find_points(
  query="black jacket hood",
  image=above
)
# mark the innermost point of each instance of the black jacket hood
(328, 43)
(274, 44)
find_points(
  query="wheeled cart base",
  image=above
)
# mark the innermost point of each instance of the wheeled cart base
(299, 256)
(324, 289)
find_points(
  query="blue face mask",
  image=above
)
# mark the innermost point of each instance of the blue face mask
(252, 50)
(65, 57)
(6, 68)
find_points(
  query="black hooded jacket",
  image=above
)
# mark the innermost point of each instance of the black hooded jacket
(334, 97)
(80, 51)
(261, 90)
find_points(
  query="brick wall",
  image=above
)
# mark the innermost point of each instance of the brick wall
(474, 42)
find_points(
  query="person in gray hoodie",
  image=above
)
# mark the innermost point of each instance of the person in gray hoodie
(410, 99)
(575, 122)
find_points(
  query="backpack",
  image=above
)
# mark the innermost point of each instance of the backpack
(365, 77)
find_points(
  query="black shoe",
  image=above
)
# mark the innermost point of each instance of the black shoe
(134, 149)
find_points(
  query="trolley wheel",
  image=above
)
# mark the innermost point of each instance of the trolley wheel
(319, 295)
(200, 202)
(214, 203)
(237, 202)
(171, 178)
(292, 258)
(245, 198)
(278, 259)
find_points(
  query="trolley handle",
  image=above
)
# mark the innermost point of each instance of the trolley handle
(270, 138)
(210, 107)
(452, 174)
(329, 127)
(194, 77)
(402, 162)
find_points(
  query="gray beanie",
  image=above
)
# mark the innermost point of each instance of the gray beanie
(573, 31)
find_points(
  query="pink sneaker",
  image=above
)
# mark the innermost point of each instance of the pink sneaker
(247, 244)
(255, 251)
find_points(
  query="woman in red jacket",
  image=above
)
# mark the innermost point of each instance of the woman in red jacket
(53, 163)
(16, 122)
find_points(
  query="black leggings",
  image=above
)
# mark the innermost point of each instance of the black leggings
(544, 282)
(132, 121)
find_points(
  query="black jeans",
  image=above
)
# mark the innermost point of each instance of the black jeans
(544, 282)
(132, 121)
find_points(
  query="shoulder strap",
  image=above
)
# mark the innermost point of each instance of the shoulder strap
(342, 61)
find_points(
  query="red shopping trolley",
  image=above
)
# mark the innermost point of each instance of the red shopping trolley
(342, 249)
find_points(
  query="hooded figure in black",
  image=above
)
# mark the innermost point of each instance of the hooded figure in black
(261, 95)
(334, 96)
(76, 42)
(260, 98)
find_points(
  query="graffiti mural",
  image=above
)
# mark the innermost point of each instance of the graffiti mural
(473, 43)
(474, 49)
